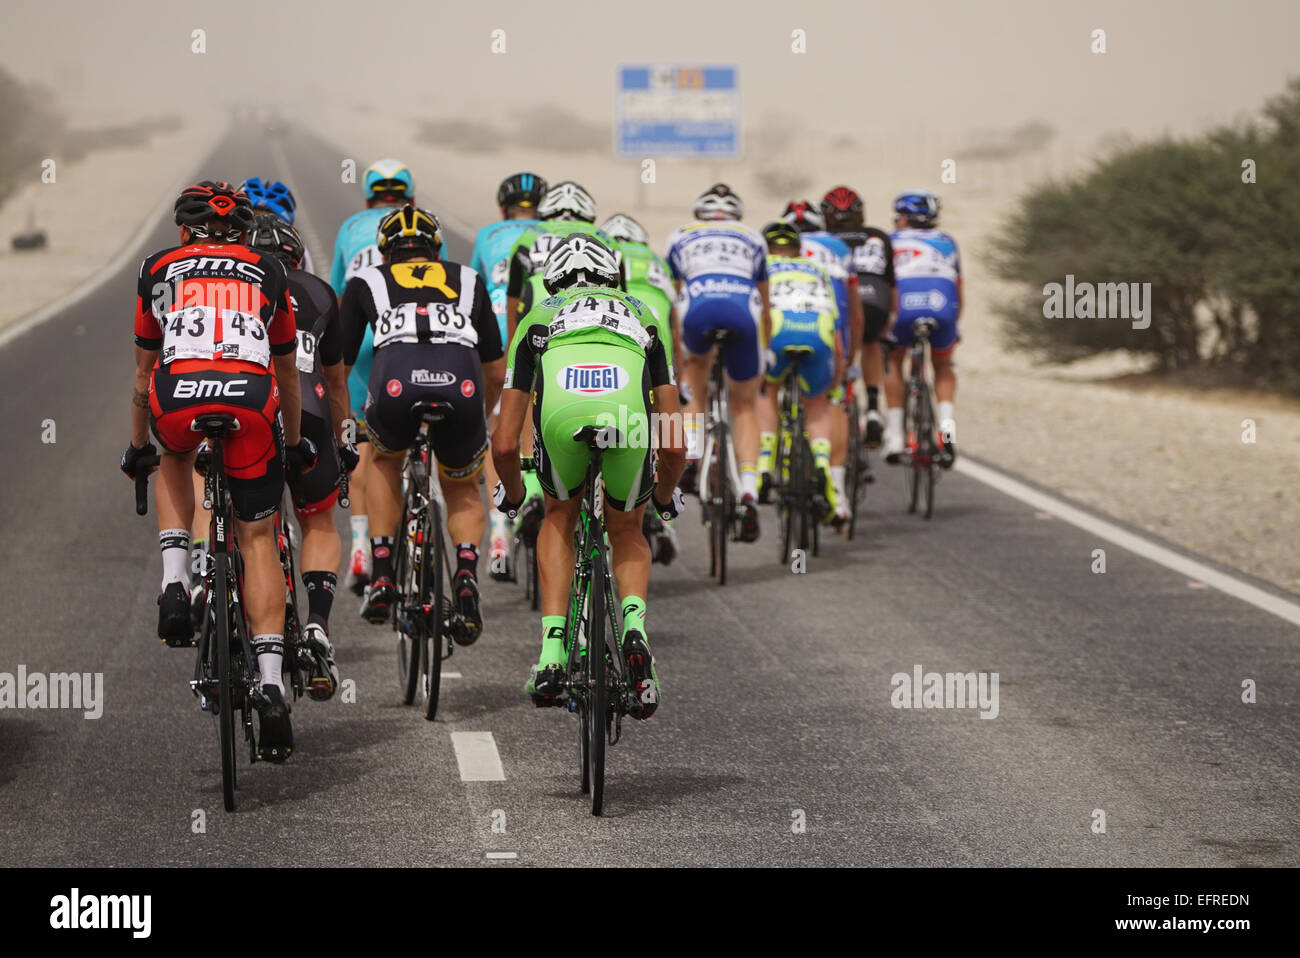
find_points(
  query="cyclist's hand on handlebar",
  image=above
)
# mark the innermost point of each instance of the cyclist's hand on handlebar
(502, 502)
(301, 456)
(349, 456)
(769, 360)
(132, 456)
(671, 509)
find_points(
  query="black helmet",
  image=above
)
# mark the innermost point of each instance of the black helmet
(521, 189)
(781, 233)
(270, 234)
(409, 228)
(214, 201)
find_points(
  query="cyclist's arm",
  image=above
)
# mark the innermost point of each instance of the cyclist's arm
(144, 363)
(356, 312)
(284, 350)
(331, 358)
(515, 395)
(767, 312)
(856, 319)
(959, 296)
(491, 351)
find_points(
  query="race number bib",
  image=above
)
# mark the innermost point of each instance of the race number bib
(204, 332)
(424, 323)
(717, 254)
(368, 256)
(870, 257)
(306, 351)
(541, 249)
(789, 296)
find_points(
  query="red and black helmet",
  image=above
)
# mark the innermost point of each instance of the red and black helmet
(204, 202)
(842, 207)
(803, 216)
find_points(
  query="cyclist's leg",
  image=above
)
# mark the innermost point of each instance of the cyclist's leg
(698, 358)
(875, 322)
(815, 375)
(359, 553)
(894, 388)
(942, 345)
(769, 408)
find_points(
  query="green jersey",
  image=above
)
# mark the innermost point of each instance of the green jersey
(649, 280)
(528, 257)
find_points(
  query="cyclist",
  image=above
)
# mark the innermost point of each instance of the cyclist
(928, 270)
(188, 364)
(719, 268)
(803, 314)
(518, 197)
(386, 184)
(272, 196)
(834, 257)
(435, 339)
(324, 389)
(587, 328)
(648, 279)
(873, 261)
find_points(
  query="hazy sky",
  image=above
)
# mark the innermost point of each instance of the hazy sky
(1171, 64)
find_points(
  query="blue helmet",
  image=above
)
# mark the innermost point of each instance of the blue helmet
(389, 179)
(272, 195)
(921, 207)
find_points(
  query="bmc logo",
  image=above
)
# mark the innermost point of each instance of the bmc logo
(208, 388)
(217, 265)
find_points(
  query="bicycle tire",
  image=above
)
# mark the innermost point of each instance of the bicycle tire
(408, 646)
(853, 474)
(718, 497)
(534, 580)
(782, 479)
(597, 691)
(432, 559)
(910, 483)
(926, 443)
(225, 693)
(292, 618)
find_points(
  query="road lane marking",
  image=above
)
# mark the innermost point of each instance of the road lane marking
(477, 756)
(1136, 544)
(500, 856)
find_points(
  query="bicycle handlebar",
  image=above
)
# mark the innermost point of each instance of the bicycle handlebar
(142, 483)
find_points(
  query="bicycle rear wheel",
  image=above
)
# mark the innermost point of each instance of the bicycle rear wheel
(853, 470)
(597, 692)
(225, 692)
(408, 645)
(718, 517)
(431, 596)
(929, 453)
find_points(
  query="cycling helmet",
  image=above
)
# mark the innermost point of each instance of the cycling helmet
(805, 217)
(567, 201)
(272, 195)
(410, 229)
(718, 202)
(581, 260)
(620, 226)
(921, 207)
(521, 189)
(270, 234)
(388, 180)
(781, 233)
(843, 208)
(214, 201)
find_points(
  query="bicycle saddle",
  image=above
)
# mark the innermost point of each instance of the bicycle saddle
(606, 437)
(431, 411)
(214, 425)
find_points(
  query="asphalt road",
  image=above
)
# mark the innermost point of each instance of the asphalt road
(1118, 692)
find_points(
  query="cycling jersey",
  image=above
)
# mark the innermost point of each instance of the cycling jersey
(433, 327)
(804, 314)
(217, 314)
(873, 261)
(355, 249)
(719, 266)
(320, 344)
(926, 268)
(491, 259)
(832, 254)
(528, 257)
(591, 356)
(649, 280)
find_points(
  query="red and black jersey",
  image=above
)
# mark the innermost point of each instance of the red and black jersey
(214, 303)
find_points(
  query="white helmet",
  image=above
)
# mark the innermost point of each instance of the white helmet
(620, 226)
(567, 201)
(718, 202)
(581, 260)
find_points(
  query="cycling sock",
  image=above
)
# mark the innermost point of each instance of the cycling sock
(269, 649)
(766, 451)
(837, 476)
(821, 452)
(894, 420)
(198, 558)
(360, 533)
(552, 639)
(873, 397)
(633, 615)
(694, 444)
(175, 546)
(748, 480)
(381, 553)
(320, 596)
(467, 558)
(945, 414)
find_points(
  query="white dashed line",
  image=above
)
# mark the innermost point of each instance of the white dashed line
(476, 754)
(500, 856)
(1196, 571)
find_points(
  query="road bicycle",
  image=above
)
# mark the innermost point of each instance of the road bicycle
(800, 504)
(719, 476)
(921, 464)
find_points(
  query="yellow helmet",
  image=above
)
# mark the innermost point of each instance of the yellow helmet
(409, 228)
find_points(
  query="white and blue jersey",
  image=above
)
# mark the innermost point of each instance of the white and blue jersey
(926, 269)
(355, 249)
(491, 260)
(835, 258)
(719, 266)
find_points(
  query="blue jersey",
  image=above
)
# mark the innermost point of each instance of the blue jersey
(491, 260)
(926, 268)
(833, 255)
(355, 247)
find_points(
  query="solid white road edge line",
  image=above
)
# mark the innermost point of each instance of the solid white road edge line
(1133, 543)
(477, 756)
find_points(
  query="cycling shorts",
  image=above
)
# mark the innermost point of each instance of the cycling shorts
(807, 330)
(558, 412)
(406, 373)
(253, 453)
(317, 489)
(874, 322)
(737, 312)
(942, 340)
